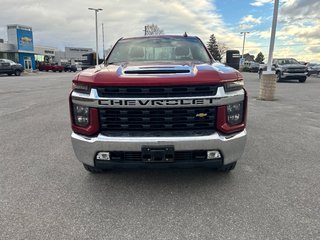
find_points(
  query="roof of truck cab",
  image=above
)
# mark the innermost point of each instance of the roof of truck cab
(159, 36)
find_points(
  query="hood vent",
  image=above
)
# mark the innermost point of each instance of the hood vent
(157, 70)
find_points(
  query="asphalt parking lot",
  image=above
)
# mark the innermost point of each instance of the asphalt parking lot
(274, 192)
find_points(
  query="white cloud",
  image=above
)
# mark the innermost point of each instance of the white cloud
(298, 30)
(249, 21)
(73, 25)
(62, 23)
(260, 3)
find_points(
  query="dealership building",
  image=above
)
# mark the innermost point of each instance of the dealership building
(20, 48)
(71, 55)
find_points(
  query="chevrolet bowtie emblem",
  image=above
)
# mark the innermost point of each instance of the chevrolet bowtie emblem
(201, 115)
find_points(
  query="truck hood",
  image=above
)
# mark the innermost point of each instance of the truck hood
(157, 74)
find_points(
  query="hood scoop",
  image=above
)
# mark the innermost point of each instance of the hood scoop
(157, 70)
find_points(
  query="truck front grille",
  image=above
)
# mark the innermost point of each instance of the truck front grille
(158, 91)
(296, 70)
(159, 119)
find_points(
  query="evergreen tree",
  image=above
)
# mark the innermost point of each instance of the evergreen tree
(259, 58)
(213, 48)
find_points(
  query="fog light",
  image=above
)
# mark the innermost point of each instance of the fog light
(103, 156)
(213, 154)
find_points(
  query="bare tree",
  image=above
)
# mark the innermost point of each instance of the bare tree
(153, 29)
(222, 48)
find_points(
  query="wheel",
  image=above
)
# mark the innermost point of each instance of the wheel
(9, 74)
(279, 78)
(92, 169)
(227, 168)
(60, 70)
(17, 72)
(302, 80)
(53, 70)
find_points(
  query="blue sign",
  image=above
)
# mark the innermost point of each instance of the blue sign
(25, 40)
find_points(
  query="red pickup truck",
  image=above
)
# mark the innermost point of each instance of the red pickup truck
(158, 101)
(51, 67)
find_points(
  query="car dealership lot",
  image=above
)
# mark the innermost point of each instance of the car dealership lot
(45, 193)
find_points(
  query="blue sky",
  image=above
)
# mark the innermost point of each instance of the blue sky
(296, 17)
(233, 12)
(73, 25)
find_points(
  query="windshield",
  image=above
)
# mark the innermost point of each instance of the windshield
(287, 61)
(254, 65)
(159, 49)
(11, 62)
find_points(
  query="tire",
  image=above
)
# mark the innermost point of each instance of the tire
(228, 168)
(17, 72)
(53, 70)
(60, 70)
(9, 74)
(92, 169)
(279, 78)
(302, 80)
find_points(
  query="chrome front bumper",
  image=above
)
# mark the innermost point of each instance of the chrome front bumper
(231, 146)
(286, 74)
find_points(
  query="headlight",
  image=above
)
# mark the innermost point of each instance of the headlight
(81, 88)
(81, 115)
(235, 113)
(233, 86)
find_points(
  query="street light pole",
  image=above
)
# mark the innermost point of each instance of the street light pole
(268, 82)
(96, 10)
(244, 42)
(273, 34)
(103, 42)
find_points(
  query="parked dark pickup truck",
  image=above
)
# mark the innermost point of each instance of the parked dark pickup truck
(10, 67)
(287, 68)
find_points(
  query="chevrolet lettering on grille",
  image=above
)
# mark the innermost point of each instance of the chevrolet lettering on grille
(161, 102)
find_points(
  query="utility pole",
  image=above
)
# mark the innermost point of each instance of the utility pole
(104, 52)
(96, 10)
(244, 42)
